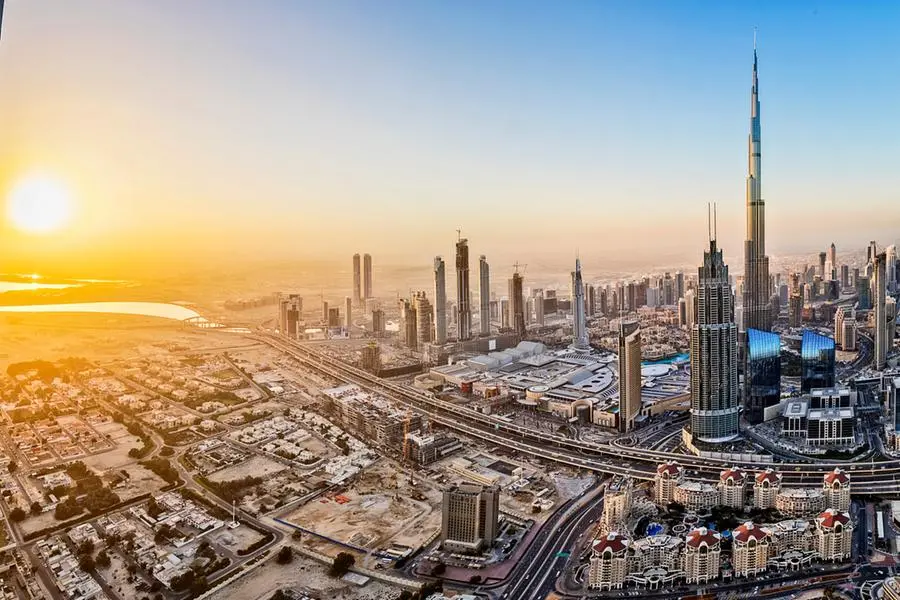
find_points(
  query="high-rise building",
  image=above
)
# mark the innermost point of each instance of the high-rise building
(750, 549)
(516, 304)
(756, 311)
(668, 476)
(424, 315)
(290, 315)
(881, 341)
(578, 310)
(378, 323)
(325, 312)
(762, 377)
(609, 562)
(795, 310)
(848, 335)
(409, 333)
(832, 258)
(816, 361)
(863, 293)
(733, 487)
(463, 310)
(629, 374)
(367, 276)
(679, 285)
(702, 550)
(484, 290)
(690, 309)
(348, 314)
(590, 300)
(714, 374)
(440, 302)
(470, 517)
(834, 535)
(539, 308)
(822, 258)
(836, 488)
(357, 281)
(334, 317)
(890, 254)
(845, 276)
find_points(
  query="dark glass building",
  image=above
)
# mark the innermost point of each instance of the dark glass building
(762, 378)
(817, 361)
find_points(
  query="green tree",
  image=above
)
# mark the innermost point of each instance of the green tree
(86, 562)
(342, 563)
(17, 514)
(36, 508)
(285, 555)
(102, 560)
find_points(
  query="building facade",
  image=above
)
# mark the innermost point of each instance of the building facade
(440, 301)
(733, 487)
(668, 476)
(484, 294)
(834, 535)
(817, 361)
(470, 517)
(750, 547)
(463, 309)
(702, 561)
(762, 378)
(836, 487)
(766, 486)
(629, 374)
(609, 562)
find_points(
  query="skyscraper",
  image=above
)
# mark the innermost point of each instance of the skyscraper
(578, 316)
(463, 312)
(881, 341)
(348, 314)
(629, 374)
(756, 311)
(832, 258)
(484, 290)
(470, 517)
(367, 276)
(516, 305)
(357, 282)
(424, 315)
(762, 379)
(440, 301)
(816, 361)
(714, 380)
(823, 257)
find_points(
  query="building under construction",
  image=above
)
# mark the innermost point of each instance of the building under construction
(369, 416)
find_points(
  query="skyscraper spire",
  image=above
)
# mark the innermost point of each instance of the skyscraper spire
(756, 311)
(578, 310)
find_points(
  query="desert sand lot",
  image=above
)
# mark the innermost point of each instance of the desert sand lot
(378, 512)
(256, 466)
(305, 575)
(117, 457)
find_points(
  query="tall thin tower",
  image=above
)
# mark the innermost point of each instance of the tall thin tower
(484, 291)
(714, 372)
(757, 313)
(357, 281)
(440, 301)
(580, 325)
(464, 311)
(367, 276)
(881, 339)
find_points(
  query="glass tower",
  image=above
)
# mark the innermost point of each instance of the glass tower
(817, 361)
(762, 379)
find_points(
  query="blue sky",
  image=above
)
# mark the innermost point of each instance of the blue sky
(537, 127)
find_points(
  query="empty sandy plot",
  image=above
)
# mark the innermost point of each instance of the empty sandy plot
(256, 466)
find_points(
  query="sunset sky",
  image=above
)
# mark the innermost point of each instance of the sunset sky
(319, 128)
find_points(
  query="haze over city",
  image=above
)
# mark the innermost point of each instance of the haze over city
(449, 300)
(289, 130)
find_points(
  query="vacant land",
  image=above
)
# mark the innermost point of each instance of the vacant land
(256, 466)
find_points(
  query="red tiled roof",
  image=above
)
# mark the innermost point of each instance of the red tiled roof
(748, 531)
(736, 474)
(831, 517)
(670, 468)
(769, 475)
(838, 475)
(615, 542)
(701, 536)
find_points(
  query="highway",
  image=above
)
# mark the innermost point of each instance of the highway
(878, 478)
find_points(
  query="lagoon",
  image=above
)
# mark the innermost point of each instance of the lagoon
(148, 309)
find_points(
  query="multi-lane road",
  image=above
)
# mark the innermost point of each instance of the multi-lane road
(878, 478)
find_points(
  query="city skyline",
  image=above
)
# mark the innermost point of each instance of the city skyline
(608, 123)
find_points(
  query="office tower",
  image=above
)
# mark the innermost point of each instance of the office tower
(863, 293)
(816, 361)
(484, 289)
(470, 517)
(848, 335)
(682, 312)
(463, 311)
(604, 301)
(378, 322)
(690, 309)
(516, 305)
(334, 317)
(348, 314)
(529, 311)
(890, 266)
(822, 258)
(756, 313)
(424, 315)
(653, 297)
(504, 313)
(890, 316)
(832, 258)
(783, 294)
(440, 302)
(795, 310)
(762, 377)
(679, 285)
(578, 317)
(291, 311)
(845, 276)
(881, 347)
(629, 374)
(409, 333)
(668, 290)
(357, 281)
(367, 276)
(842, 314)
(325, 311)
(590, 300)
(539, 308)
(714, 380)
(871, 252)
(854, 276)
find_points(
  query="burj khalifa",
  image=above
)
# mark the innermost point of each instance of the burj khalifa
(757, 313)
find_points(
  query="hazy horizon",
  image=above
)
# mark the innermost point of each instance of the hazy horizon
(275, 131)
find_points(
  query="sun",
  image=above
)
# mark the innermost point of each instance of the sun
(39, 204)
